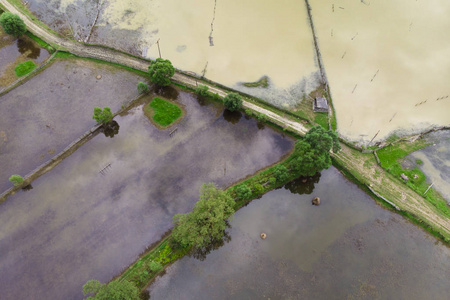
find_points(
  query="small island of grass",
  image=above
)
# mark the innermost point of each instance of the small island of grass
(25, 68)
(162, 112)
(263, 82)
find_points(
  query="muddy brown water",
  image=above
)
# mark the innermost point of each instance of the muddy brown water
(388, 64)
(346, 248)
(48, 112)
(94, 213)
(227, 41)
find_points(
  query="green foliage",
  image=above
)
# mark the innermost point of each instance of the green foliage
(206, 223)
(261, 117)
(155, 266)
(160, 71)
(259, 189)
(162, 111)
(243, 192)
(24, 68)
(16, 179)
(272, 180)
(419, 162)
(281, 173)
(322, 120)
(248, 112)
(323, 140)
(233, 101)
(102, 116)
(202, 90)
(263, 82)
(12, 24)
(142, 88)
(115, 290)
(308, 160)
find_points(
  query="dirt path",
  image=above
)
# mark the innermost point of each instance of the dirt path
(380, 181)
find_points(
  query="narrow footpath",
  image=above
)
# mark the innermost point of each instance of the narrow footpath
(379, 181)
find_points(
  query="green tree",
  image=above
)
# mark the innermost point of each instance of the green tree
(142, 88)
(102, 116)
(322, 140)
(243, 192)
(12, 24)
(309, 161)
(206, 223)
(115, 290)
(16, 179)
(281, 173)
(233, 101)
(160, 71)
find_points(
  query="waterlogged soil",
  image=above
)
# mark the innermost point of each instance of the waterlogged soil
(346, 248)
(387, 63)
(435, 162)
(48, 112)
(230, 42)
(17, 50)
(94, 213)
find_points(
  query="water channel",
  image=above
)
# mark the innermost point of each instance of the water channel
(346, 248)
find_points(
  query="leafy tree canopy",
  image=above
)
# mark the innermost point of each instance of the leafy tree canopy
(233, 101)
(12, 24)
(102, 116)
(207, 222)
(161, 71)
(323, 140)
(16, 179)
(115, 290)
(142, 88)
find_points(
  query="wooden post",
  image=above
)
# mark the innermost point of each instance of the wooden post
(428, 188)
(159, 50)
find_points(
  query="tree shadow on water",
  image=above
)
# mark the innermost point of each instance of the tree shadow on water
(201, 253)
(111, 129)
(232, 116)
(303, 185)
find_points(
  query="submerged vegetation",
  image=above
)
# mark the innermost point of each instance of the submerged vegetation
(162, 112)
(263, 82)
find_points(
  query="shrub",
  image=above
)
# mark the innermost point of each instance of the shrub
(259, 189)
(243, 192)
(142, 88)
(16, 179)
(12, 24)
(233, 101)
(261, 117)
(249, 112)
(202, 90)
(102, 116)
(281, 173)
(272, 180)
(155, 266)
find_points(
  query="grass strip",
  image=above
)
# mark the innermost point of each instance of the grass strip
(25, 68)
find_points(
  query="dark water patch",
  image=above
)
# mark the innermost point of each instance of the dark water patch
(167, 92)
(349, 248)
(102, 220)
(232, 116)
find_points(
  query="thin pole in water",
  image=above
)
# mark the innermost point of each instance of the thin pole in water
(159, 50)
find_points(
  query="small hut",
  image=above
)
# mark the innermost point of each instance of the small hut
(320, 104)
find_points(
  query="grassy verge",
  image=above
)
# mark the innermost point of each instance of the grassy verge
(322, 120)
(41, 42)
(391, 157)
(24, 68)
(162, 112)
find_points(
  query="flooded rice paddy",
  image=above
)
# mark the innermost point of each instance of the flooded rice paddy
(387, 62)
(230, 42)
(346, 248)
(48, 112)
(94, 213)
(14, 51)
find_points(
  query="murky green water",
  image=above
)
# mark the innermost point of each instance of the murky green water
(93, 214)
(388, 63)
(346, 248)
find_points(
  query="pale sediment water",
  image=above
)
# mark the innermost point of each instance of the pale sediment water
(387, 62)
(94, 213)
(346, 248)
(229, 42)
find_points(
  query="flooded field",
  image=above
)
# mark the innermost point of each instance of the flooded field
(14, 51)
(388, 64)
(93, 214)
(230, 42)
(346, 248)
(48, 112)
(435, 162)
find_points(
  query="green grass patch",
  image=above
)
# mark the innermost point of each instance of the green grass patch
(391, 157)
(162, 111)
(263, 82)
(322, 120)
(25, 68)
